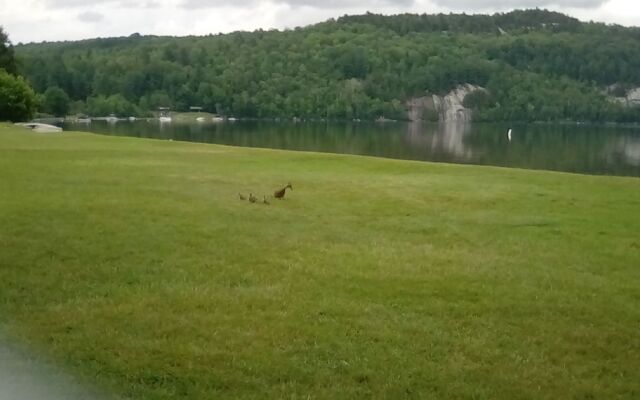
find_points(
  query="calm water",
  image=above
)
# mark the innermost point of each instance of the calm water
(572, 148)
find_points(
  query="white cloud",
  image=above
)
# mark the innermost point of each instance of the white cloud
(326, 4)
(478, 5)
(84, 3)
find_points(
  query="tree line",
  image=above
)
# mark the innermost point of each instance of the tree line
(536, 65)
(17, 99)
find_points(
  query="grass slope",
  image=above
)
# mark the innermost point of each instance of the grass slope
(133, 263)
(191, 116)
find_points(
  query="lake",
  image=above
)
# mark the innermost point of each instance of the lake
(572, 148)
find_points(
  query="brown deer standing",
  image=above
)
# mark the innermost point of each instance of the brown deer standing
(279, 194)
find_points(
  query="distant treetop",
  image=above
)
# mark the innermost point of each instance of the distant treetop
(519, 20)
(7, 58)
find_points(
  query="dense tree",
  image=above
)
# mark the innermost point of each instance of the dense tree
(55, 101)
(17, 99)
(535, 64)
(115, 104)
(7, 58)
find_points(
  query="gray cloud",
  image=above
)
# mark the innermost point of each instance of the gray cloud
(338, 5)
(326, 4)
(347, 3)
(509, 4)
(74, 3)
(84, 3)
(215, 3)
(90, 16)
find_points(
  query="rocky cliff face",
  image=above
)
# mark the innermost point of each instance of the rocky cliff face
(631, 97)
(447, 108)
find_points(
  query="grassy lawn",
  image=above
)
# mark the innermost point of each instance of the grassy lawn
(133, 263)
(191, 116)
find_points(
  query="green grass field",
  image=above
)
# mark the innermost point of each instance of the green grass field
(190, 116)
(133, 264)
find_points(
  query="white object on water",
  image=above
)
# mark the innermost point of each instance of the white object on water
(200, 119)
(165, 119)
(509, 134)
(38, 127)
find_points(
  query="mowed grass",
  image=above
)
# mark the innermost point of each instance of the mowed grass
(133, 263)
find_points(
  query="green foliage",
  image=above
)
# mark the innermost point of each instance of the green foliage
(55, 102)
(519, 96)
(362, 66)
(115, 104)
(17, 99)
(479, 99)
(7, 58)
(518, 20)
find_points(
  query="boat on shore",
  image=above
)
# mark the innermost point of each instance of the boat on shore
(40, 127)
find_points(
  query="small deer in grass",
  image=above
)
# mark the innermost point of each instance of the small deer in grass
(279, 194)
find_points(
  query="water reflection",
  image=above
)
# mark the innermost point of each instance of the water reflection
(573, 148)
(443, 139)
(628, 150)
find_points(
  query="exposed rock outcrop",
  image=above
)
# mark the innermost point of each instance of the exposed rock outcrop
(633, 97)
(618, 94)
(447, 108)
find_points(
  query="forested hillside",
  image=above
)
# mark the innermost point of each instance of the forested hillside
(535, 65)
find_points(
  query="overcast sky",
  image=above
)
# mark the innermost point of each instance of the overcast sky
(39, 20)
